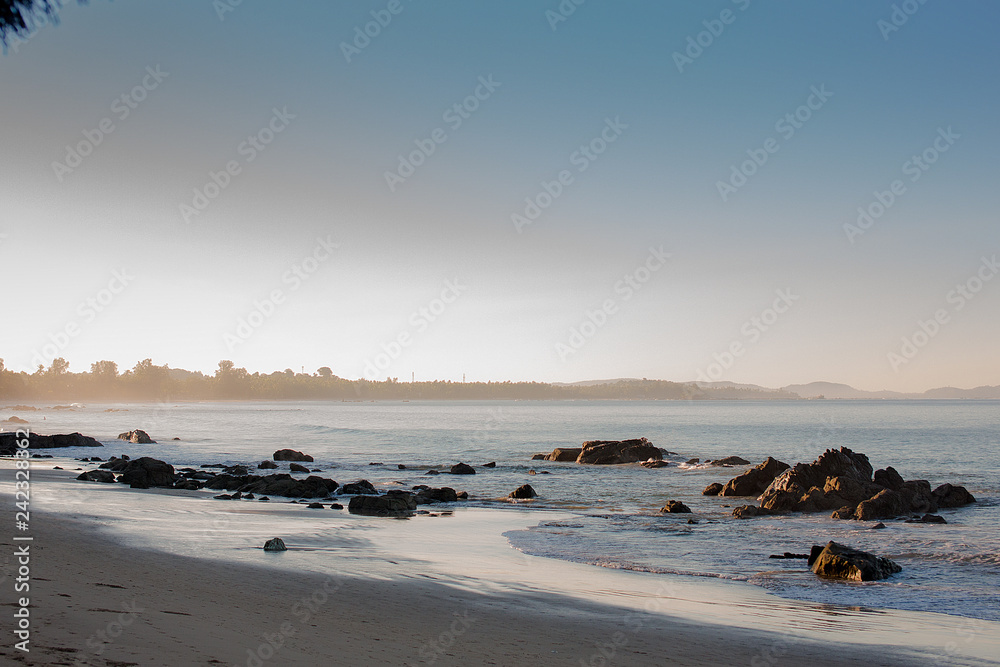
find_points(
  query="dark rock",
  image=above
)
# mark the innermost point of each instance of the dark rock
(789, 555)
(263, 499)
(889, 478)
(885, 505)
(223, 496)
(248, 496)
(692, 462)
(712, 489)
(615, 452)
(275, 544)
(878, 526)
(836, 561)
(334, 506)
(693, 521)
(675, 507)
(291, 455)
(462, 469)
(210, 465)
(315, 506)
(754, 481)
(427, 495)
(462, 495)
(188, 484)
(236, 470)
(9, 440)
(843, 513)
(948, 495)
(295, 467)
(376, 464)
(568, 454)
(280, 484)
(387, 505)
(361, 487)
(747, 511)
(267, 465)
(917, 496)
(539, 457)
(928, 518)
(400, 466)
(491, 464)
(146, 472)
(654, 464)
(432, 472)
(523, 492)
(105, 476)
(137, 437)
(730, 461)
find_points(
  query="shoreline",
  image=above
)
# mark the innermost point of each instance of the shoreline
(401, 585)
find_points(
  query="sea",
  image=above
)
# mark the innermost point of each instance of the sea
(609, 515)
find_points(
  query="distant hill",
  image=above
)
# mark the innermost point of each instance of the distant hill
(835, 390)
(984, 392)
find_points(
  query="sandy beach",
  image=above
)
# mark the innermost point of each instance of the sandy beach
(97, 599)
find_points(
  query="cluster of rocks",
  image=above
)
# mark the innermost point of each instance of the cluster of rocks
(146, 472)
(606, 452)
(839, 480)
(8, 441)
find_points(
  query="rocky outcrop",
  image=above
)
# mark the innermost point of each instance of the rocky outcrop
(462, 469)
(729, 461)
(275, 544)
(105, 476)
(267, 465)
(297, 467)
(754, 481)
(391, 504)
(565, 454)
(654, 464)
(291, 455)
(843, 481)
(675, 507)
(836, 561)
(9, 440)
(137, 437)
(948, 495)
(712, 489)
(614, 452)
(146, 472)
(523, 492)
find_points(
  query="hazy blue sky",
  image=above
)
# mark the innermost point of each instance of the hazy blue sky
(631, 138)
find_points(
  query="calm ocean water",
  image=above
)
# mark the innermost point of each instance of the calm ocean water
(953, 568)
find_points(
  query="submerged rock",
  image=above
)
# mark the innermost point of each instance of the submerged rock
(523, 492)
(267, 465)
(729, 461)
(615, 452)
(654, 464)
(836, 561)
(291, 455)
(675, 507)
(462, 469)
(296, 467)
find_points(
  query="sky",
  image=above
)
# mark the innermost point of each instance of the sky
(746, 191)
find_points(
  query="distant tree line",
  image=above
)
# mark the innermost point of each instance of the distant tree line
(147, 381)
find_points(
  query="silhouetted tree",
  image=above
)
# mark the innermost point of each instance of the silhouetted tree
(20, 17)
(323, 371)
